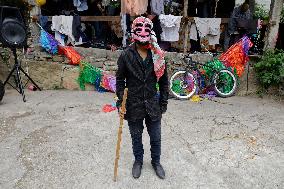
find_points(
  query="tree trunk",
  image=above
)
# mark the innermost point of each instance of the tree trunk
(273, 26)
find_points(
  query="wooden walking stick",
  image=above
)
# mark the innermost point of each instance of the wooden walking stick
(123, 110)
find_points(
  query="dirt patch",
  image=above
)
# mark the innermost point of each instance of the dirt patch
(7, 125)
(27, 146)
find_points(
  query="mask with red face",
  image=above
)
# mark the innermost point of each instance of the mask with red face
(142, 30)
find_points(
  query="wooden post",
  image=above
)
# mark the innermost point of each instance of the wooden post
(119, 134)
(186, 29)
(273, 25)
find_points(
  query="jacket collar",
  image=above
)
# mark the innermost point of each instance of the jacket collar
(146, 71)
(133, 48)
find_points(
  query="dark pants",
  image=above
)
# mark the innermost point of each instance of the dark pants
(154, 130)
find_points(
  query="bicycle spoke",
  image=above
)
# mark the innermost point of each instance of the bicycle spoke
(183, 84)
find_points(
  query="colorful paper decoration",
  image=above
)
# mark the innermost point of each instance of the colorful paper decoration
(237, 55)
(71, 54)
(109, 82)
(88, 74)
(211, 67)
(109, 108)
(48, 42)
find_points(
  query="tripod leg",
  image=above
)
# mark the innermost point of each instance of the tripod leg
(30, 78)
(20, 84)
(10, 74)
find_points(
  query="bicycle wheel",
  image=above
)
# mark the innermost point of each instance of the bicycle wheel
(2, 90)
(225, 83)
(183, 85)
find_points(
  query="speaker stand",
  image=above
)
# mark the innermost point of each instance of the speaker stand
(19, 85)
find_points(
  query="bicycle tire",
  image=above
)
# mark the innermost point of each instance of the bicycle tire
(225, 77)
(2, 90)
(185, 86)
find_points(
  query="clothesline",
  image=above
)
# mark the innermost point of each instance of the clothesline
(118, 18)
(170, 25)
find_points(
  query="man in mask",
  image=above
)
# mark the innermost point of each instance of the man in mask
(140, 68)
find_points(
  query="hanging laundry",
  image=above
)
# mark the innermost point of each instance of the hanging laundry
(193, 32)
(64, 25)
(32, 2)
(105, 3)
(76, 28)
(157, 28)
(206, 27)
(134, 7)
(117, 29)
(170, 25)
(60, 38)
(157, 7)
(43, 20)
(81, 5)
(124, 29)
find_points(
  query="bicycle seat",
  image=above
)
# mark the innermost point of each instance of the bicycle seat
(189, 61)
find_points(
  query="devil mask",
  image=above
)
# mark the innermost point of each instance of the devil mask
(142, 30)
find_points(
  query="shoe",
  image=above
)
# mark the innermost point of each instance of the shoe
(136, 170)
(159, 171)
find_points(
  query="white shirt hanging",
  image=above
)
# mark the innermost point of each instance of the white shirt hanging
(170, 25)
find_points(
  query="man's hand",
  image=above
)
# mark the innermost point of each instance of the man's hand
(121, 112)
(163, 109)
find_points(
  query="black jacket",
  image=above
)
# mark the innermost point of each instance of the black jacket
(140, 79)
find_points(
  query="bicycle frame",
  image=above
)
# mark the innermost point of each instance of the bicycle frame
(193, 66)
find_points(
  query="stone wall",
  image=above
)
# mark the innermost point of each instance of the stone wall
(54, 72)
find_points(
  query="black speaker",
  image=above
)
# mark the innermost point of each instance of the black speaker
(12, 28)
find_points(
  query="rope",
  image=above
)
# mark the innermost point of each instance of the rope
(216, 6)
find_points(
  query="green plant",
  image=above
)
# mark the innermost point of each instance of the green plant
(260, 12)
(114, 3)
(270, 69)
(5, 56)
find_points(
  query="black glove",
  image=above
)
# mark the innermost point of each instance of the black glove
(163, 109)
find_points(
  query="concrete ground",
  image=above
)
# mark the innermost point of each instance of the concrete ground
(62, 139)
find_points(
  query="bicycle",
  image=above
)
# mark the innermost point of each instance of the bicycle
(184, 83)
